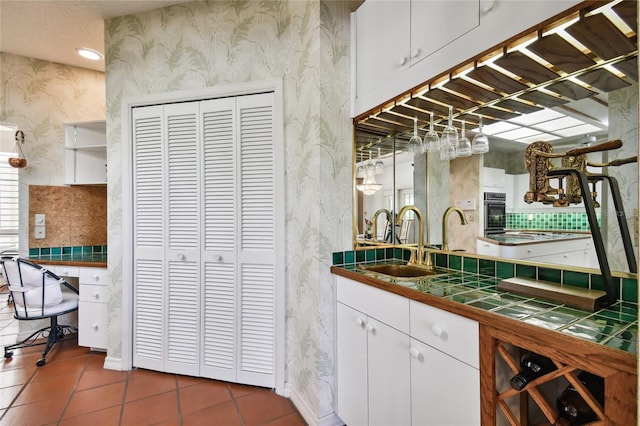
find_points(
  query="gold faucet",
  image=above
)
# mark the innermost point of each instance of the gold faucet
(445, 217)
(375, 222)
(420, 255)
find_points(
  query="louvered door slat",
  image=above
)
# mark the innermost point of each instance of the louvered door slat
(182, 176)
(218, 128)
(148, 167)
(148, 314)
(183, 317)
(219, 329)
(257, 177)
(257, 319)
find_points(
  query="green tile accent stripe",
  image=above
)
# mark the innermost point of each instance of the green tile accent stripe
(69, 250)
(552, 221)
(627, 288)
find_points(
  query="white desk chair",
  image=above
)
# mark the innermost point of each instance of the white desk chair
(38, 294)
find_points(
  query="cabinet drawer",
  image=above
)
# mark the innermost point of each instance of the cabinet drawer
(66, 271)
(386, 307)
(96, 276)
(93, 293)
(447, 332)
(92, 325)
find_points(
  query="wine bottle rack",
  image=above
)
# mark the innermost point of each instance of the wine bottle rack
(537, 396)
(499, 361)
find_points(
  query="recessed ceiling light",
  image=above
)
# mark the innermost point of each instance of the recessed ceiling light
(90, 54)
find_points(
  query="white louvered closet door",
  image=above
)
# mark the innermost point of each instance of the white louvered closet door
(219, 239)
(183, 332)
(239, 239)
(149, 276)
(205, 239)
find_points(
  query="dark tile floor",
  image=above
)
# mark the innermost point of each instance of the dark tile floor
(74, 389)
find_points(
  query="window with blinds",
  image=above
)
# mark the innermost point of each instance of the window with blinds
(8, 204)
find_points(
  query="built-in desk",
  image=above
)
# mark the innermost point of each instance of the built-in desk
(89, 273)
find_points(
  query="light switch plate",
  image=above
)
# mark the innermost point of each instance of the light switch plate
(40, 232)
(40, 219)
(468, 204)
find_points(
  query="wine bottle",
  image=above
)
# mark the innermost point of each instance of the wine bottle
(572, 407)
(533, 366)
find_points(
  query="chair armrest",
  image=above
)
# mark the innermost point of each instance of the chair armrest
(69, 286)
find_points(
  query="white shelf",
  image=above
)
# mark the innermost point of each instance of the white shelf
(85, 156)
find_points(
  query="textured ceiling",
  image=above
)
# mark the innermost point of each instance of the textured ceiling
(51, 30)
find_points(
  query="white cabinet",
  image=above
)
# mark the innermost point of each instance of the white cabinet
(92, 309)
(445, 359)
(382, 36)
(402, 362)
(570, 252)
(390, 36)
(391, 39)
(85, 153)
(373, 356)
(444, 391)
(92, 305)
(493, 180)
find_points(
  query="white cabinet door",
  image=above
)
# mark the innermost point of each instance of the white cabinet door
(382, 29)
(493, 179)
(351, 366)
(436, 23)
(486, 248)
(389, 375)
(444, 391)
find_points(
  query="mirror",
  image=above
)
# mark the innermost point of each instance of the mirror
(553, 110)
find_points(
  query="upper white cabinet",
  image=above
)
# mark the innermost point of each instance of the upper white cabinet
(391, 39)
(381, 33)
(493, 180)
(85, 153)
(394, 35)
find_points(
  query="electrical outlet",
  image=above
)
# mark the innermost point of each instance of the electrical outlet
(40, 232)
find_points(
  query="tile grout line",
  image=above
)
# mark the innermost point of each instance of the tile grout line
(235, 405)
(73, 390)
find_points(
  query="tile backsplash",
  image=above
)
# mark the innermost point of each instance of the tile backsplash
(552, 221)
(75, 216)
(627, 287)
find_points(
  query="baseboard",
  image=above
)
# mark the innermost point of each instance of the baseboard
(113, 363)
(308, 414)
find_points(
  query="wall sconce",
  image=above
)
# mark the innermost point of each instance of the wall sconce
(20, 161)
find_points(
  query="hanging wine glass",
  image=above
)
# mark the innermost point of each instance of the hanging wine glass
(379, 166)
(431, 139)
(447, 152)
(480, 143)
(360, 171)
(464, 144)
(415, 143)
(449, 139)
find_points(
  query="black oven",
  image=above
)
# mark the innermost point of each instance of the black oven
(495, 216)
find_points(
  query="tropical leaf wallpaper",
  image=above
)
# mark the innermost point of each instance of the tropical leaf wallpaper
(39, 96)
(305, 44)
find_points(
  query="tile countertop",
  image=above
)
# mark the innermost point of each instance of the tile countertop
(95, 260)
(613, 331)
(516, 238)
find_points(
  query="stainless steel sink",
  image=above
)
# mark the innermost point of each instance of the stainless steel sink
(403, 271)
